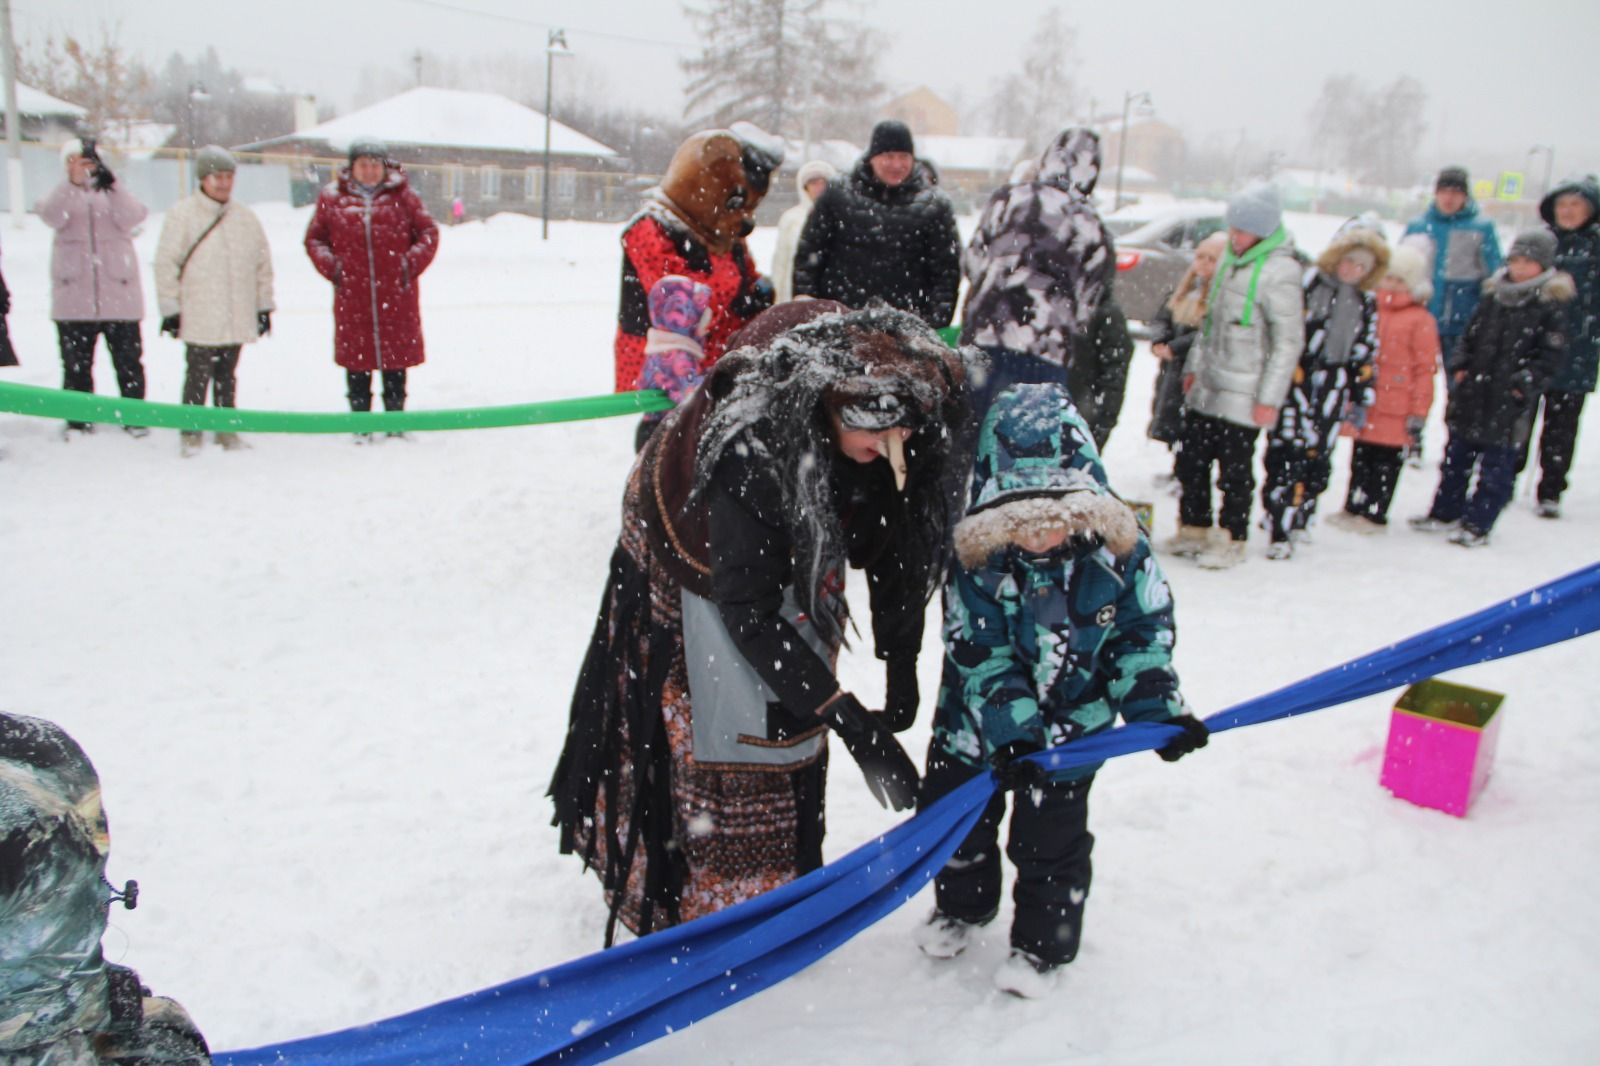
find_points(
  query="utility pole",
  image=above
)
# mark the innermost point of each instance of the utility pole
(13, 119)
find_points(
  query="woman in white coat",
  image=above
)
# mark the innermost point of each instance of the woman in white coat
(811, 180)
(214, 282)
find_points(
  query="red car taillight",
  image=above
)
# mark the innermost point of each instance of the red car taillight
(1127, 260)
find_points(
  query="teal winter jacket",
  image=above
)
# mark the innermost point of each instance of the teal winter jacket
(1044, 648)
(1464, 251)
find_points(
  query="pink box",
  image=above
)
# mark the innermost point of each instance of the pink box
(1441, 745)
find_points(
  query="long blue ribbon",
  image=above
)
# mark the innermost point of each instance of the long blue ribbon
(598, 1006)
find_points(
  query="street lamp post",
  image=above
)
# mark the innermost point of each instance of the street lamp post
(555, 45)
(1549, 164)
(197, 94)
(1128, 100)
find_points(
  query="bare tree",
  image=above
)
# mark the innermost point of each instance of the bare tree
(102, 78)
(1395, 129)
(782, 64)
(1037, 102)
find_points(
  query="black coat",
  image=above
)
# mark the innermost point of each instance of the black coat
(752, 564)
(864, 239)
(1097, 376)
(1510, 351)
(1166, 406)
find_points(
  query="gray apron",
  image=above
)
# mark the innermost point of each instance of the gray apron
(731, 703)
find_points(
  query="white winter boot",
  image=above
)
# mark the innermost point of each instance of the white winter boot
(944, 937)
(1189, 542)
(1222, 551)
(1026, 975)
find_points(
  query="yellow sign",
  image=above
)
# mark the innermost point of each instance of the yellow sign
(1483, 190)
(1510, 186)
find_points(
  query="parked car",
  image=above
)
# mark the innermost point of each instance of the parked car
(1154, 247)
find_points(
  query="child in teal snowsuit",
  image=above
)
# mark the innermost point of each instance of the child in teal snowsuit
(1057, 619)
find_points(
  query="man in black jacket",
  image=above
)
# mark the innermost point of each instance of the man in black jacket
(884, 230)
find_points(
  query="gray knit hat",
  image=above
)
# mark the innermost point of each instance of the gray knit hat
(1256, 210)
(1453, 178)
(213, 159)
(369, 146)
(1536, 244)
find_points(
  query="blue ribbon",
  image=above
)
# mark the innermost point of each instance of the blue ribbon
(597, 1007)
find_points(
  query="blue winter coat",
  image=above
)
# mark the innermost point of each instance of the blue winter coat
(1464, 250)
(1578, 255)
(1043, 649)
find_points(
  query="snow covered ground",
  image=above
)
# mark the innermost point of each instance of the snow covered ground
(325, 687)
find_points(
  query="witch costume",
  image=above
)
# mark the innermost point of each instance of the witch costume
(694, 767)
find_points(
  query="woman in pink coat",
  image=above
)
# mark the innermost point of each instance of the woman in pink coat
(1408, 359)
(372, 237)
(94, 274)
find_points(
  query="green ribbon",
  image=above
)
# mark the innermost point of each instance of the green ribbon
(88, 407)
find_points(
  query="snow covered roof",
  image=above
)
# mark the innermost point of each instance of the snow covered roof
(993, 154)
(38, 103)
(450, 118)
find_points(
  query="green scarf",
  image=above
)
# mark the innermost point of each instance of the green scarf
(1256, 255)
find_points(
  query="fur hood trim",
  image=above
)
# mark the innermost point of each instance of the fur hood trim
(1347, 241)
(1086, 516)
(1557, 288)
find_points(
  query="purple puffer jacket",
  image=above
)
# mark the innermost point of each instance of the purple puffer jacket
(93, 271)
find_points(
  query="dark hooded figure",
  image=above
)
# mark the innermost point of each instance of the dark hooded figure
(60, 1001)
(693, 772)
(1039, 267)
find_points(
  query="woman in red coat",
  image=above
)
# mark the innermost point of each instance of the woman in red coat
(694, 224)
(1408, 359)
(372, 238)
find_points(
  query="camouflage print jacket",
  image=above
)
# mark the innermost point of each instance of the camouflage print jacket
(1045, 648)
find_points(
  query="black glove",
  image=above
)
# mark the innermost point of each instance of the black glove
(263, 323)
(169, 325)
(103, 178)
(890, 773)
(1013, 773)
(1414, 426)
(900, 694)
(1194, 736)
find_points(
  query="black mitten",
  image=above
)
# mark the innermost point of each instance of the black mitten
(103, 178)
(900, 694)
(754, 297)
(1013, 773)
(890, 773)
(169, 325)
(263, 323)
(1194, 736)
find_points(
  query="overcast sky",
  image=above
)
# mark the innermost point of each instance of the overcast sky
(1500, 76)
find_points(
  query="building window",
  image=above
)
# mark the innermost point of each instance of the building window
(532, 184)
(489, 183)
(455, 181)
(566, 185)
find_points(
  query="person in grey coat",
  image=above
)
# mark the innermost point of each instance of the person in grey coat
(1237, 376)
(94, 274)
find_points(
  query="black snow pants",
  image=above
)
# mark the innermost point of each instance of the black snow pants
(1374, 473)
(1049, 845)
(126, 344)
(1208, 440)
(1557, 440)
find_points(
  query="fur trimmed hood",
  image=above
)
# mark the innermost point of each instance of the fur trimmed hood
(1349, 239)
(1555, 286)
(1037, 469)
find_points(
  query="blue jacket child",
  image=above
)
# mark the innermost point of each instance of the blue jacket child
(1057, 619)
